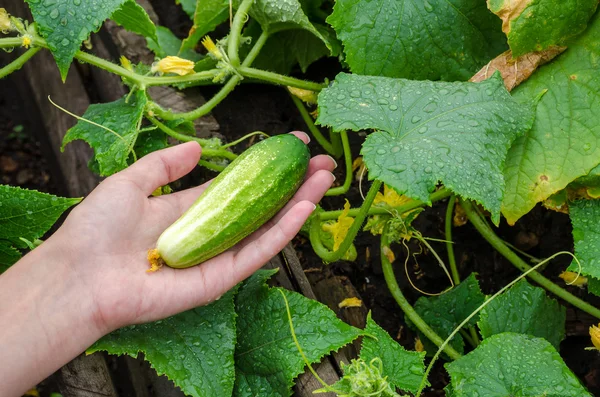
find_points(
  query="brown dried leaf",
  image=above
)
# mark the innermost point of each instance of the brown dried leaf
(516, 71)
(510, 10)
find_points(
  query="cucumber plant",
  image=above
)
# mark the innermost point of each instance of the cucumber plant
(491, 106)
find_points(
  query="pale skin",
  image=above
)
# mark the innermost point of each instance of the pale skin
(90, 278)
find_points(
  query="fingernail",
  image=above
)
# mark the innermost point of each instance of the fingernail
(305, 134)
(334, 162)
(314, 206)
(334, 178)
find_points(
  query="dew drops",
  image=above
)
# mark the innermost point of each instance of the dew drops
(393, 107)
(443, 91)
(54, 13)
(341, 97)
(428, 7)
(355, 94)
(65, 42)
(398, 168)
(415, 119)
(422, 130)
(381, 151)
(473, 123)
(428, 170)
(587, 146)
(395, 149)
(77, 2)
(382, 101)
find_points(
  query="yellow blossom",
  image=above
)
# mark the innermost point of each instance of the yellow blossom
(26, 41)
(595, 335)
(419, 345)
(5, 25)
(390, 197)
(175, 65)
(339, 229)
(350, 302)
(126, 63)
(211, 47)
(572, 278)
(389, 254)
(307, 96)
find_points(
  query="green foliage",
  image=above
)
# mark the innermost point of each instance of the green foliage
(510, 364)
(267, 361)
(524, 309)
(402, 369)
(445, 312)
(195, 349)
(564, 142)
(456, 133)
(66, 24)
(167, 43)
(539, 24)
(26, 214)
(422, 40)
(111, 149)
(207, 15)
(585, 217)
(134, 18)
(594, 286)
(362, 379)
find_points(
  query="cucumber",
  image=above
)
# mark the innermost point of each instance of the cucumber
(241, 199)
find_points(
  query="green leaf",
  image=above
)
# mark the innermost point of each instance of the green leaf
(65, 24)
(149, 142)
(535, 25)
(403, 369)
(564, 142)
(169, 44)
(445, 312)
(27, 214)
(524, 309)
(111, 149)
(189, 6)
(266, 357)
(208, 14)
(421, 40)
(594, 286)
(134, 18)
(456, 133)
(286, 49)
(585, 217)
(511, 364)
(194, 348)
(277, 15)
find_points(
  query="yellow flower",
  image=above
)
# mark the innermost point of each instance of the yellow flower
(175, 65)
(126, 63)
(350, 302)
(26, 41)
(5, 25)
(419, 345)
(211, 47)
(307, 96)
(595, 334)
(572, 278)
(390, 197)
(339, 229)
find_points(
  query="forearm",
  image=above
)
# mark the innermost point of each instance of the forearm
(44, 319)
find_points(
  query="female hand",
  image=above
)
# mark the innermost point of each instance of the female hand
(90, 277)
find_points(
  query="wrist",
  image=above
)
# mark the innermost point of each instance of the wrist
(47, 315)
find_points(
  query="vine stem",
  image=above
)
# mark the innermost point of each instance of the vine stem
(520, 264)
(332, 256)
(186, 138)
(338, 191)
(233, 43)
(439, 195)
(449, 242)
(530, 271)
(390, 279)
(308, 120)
(19, 62)
(279, 79)
(11, 42)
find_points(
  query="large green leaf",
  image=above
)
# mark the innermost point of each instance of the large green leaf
(266, 357)
(585, 217)
(26, 214)
(594, 286)
(194, 348)
(134, 18)
(207, 15)
(111, 148)
(456, 133)
(169, 44)
(426, 39)
(445, 312)
(535, 25)
(277, 15)
(564, 143)
(524, 309)
(403, 369)
(511, 364)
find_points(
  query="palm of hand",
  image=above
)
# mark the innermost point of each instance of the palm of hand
(118, 223)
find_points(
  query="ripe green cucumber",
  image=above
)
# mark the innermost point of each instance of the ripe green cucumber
(241, 199)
